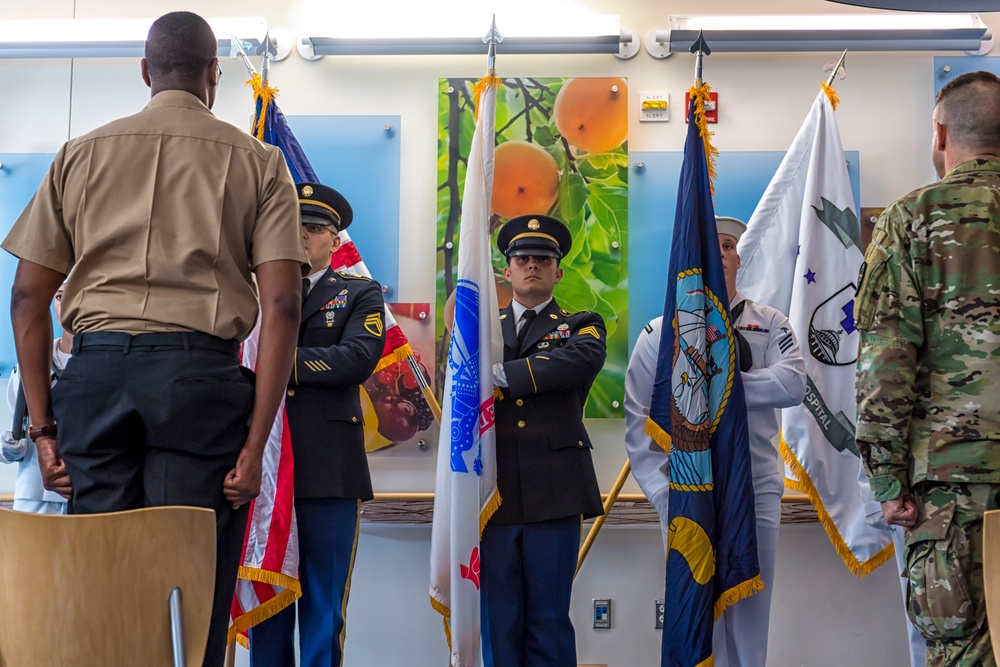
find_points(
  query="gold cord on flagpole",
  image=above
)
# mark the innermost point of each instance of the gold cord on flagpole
(702, 94)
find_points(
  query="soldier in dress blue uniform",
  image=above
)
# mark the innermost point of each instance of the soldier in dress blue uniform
(545, 473)
(341, 339)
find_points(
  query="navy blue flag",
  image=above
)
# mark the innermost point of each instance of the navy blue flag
(269, 126)
(698, 413)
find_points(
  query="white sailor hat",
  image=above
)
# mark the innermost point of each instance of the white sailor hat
(732, 226)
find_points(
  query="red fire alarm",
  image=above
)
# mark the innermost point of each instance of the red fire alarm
(711, 107)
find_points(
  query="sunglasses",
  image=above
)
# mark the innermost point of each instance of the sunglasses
(522, 260)
(313, 228)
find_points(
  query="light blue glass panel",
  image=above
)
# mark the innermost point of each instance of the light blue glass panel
(359, 158)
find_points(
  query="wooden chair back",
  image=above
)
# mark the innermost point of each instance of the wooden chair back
(93, 589)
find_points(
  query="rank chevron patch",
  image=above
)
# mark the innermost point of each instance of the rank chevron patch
(373, 324)
(590, 331)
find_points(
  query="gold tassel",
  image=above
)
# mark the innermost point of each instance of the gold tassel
(857, 568)
(831, 95)
(267, 95)
(477, 90)
(700, 95)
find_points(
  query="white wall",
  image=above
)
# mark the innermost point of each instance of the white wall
(822, 615)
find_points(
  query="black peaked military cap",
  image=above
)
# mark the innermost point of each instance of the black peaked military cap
(325, 202)
(534, 235)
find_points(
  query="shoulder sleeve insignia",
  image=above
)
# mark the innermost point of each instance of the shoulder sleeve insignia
(351, 276)
(590, 331)
(373, 324)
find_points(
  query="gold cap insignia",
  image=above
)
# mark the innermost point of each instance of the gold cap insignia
(534, 225)
(307, 191)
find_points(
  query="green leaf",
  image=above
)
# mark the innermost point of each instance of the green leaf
(543, 136)
(607, 269)
(573, 193)
(610, 208)
(594, 173)
(574, 292)
(623, 174)
(602, 161)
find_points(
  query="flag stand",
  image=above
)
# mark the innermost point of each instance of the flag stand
(599, 521)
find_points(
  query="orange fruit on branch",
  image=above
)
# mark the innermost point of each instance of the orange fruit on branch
(525, 179)
(590, 115)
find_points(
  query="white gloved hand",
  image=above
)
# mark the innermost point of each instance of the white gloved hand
(11, 450)
(499, 375)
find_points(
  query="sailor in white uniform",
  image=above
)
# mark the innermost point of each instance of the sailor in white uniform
(774, 376)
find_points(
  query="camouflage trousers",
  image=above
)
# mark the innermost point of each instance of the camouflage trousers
(944, 561)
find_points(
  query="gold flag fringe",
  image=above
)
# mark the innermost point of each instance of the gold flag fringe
(700, 95)
(856, 567)
(293, 591)
(401, 353)
(267, 95)
(490, 81)
(446, 618)
(737, 593)
(707, 662)
(790, 482)
(831, 95)
(492, 505)
(656, 432)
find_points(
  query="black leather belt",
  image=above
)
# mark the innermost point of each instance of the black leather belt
(167, 340)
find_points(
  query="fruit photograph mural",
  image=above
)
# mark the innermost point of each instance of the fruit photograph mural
(561, 150)
(397, 419)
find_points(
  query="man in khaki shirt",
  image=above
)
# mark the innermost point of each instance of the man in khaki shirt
(158, 220)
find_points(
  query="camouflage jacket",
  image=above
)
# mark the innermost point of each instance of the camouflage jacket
(928, 308)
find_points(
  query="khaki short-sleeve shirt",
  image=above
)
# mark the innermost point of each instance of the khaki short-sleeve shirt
(158, 219)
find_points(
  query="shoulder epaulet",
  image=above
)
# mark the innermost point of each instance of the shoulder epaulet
(351, 276)
(566, 313)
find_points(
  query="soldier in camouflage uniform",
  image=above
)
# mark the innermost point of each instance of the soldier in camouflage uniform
(929, 370)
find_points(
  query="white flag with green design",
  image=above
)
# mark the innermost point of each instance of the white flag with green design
(801, 254)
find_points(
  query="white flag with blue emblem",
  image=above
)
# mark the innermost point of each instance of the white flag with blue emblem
(466, 493)
(801, 254)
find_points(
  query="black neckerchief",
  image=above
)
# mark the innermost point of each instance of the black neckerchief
(742, 346)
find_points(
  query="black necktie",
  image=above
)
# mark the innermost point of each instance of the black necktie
(305, 289)
(527, 316)
(742, 346)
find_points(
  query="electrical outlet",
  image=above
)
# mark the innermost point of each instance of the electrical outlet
(658, 610)
(602, 614)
